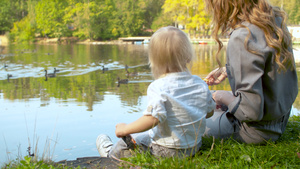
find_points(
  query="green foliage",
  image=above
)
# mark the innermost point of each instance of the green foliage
(76, 17)
(10, 12)
(5, 22)
(30, 163)
(130, 16)
(49, 17)
(110, 19)
(189, 13)
(23, 30)
(160, 21)
(153, 12)
(100, 23)
(291, 7)
(88, 19)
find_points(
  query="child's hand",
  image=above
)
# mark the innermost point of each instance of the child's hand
(223, 107)
(208, 115)
(120, 130)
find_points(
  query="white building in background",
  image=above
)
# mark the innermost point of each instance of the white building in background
(295, 31)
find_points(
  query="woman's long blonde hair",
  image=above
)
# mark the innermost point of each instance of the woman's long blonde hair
(229, 14)
(170, 50)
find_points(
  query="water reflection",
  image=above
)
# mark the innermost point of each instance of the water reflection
(67, 112)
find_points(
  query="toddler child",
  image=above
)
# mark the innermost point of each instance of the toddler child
(178, 103)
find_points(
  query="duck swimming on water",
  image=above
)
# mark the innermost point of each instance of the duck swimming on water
(104, 69)
(56, 70)
(122, 81)
(50, 74)
(130, 73)
(9, 76)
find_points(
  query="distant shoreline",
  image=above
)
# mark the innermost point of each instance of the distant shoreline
(74, 40)
(128, 40)
(3, 40)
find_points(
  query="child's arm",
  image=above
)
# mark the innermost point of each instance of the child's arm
(144, 123)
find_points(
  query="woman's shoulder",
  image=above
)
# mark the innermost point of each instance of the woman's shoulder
(247, 28)
(249, 31)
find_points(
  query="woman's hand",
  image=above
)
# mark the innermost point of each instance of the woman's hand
(120, 130)
(216, 76)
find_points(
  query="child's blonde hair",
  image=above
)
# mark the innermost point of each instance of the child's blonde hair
(170, 50)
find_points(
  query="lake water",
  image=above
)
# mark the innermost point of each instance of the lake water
(61, 117)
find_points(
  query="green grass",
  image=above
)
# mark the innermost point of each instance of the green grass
(231, 154)
(284, 153)
(29, 162)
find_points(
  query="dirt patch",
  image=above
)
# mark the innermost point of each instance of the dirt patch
(92, 162)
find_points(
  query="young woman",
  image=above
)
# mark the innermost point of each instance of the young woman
(260, 69)
(178, 103)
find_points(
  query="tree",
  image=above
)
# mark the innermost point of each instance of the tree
(49, 15)
(189, 13)
(101, 19)
(77, 18)
(129, 18)
(10, 12)
(25, 28)
(291, 7)
(153, 9)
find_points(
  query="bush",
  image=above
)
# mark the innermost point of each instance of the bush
(23, 30)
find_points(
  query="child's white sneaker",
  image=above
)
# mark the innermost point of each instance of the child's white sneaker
(104, 145)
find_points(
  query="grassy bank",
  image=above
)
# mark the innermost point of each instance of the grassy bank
(285, 153)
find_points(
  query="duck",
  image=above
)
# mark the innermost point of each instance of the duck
(56, 70)
(50, 74)
(9, 76)
(126, 67)
(122, 81)
(131, 73)
(104, 69)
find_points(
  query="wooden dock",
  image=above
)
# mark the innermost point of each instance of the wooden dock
(136, 40)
